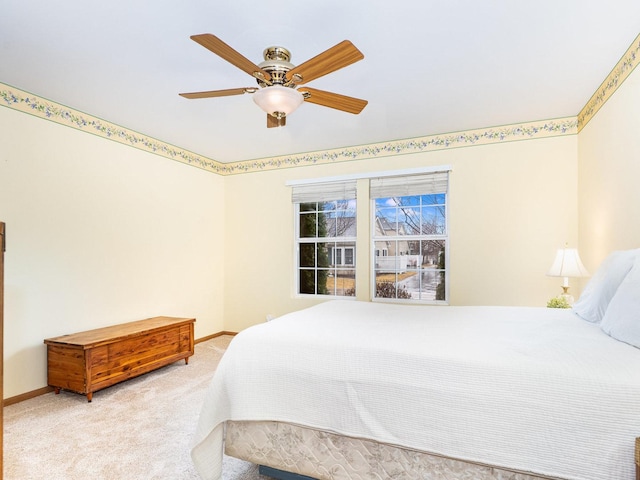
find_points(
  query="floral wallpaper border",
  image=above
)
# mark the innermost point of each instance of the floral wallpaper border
(485, 136)
(25, 102)
(28, 103)
(619, 74)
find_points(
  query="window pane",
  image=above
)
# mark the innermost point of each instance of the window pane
(330, 227)
(342, 254)
(386, 221)
(408, 220)
(308, 207)
(322, 254)
(307, 255)
(308, 225)
(433, 199)
(391, 286)
(434, 254)
(422, 286)
(433, 220)
(389, 262)
(325, 287)
(340, 218)
(345, 225)
(345, 282)
(382, 250)
(307, 281)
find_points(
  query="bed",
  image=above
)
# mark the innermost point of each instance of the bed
(354, 390)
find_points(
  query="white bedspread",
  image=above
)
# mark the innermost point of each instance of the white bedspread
(533, 389)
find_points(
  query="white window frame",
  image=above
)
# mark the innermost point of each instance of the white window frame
(312, 193)
(318, 182)
(403, 191)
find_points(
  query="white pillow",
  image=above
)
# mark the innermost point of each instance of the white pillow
(593, 301)
(622, 318)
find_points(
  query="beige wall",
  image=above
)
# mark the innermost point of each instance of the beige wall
(511, 206)
(609, 176)
(100, 233)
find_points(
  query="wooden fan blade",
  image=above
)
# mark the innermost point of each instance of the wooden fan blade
(333, 100)
(275, 122)
(217, 46)
(218, 93)
(337, 57)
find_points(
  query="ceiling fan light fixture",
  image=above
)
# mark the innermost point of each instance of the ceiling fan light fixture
(278, 79)
(278, 100)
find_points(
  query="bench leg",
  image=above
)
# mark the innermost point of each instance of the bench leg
(637, 458)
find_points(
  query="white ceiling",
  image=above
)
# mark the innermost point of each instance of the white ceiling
(430, 66)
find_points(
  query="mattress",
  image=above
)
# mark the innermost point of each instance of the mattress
(325, 455)
(533, 390)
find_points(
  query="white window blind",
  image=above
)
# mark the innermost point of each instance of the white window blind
(323, 192)
(423, 184)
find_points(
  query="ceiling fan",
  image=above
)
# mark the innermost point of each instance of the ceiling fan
(278, 80)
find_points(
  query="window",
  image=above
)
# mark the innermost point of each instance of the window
(408, 241)
(410, 237)
(325, 238)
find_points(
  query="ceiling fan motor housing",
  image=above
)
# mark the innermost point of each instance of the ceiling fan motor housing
(276, 62)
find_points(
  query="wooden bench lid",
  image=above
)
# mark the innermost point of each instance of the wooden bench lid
(91, 338)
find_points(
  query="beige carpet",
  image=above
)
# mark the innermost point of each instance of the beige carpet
(138, 430)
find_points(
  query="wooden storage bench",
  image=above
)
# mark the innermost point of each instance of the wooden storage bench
(88, 361)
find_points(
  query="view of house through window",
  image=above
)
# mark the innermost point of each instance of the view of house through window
(408, 234)
(410, 240)
(410, 250)
(326, 247)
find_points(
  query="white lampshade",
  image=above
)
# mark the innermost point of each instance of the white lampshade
(567, 264)
(278, 99)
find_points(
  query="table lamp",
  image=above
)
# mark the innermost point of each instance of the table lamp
(567, 264)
